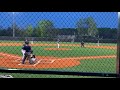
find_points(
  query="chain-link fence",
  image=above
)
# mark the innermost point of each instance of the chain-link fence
(62, 43)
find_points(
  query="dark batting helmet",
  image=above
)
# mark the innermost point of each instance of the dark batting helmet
(26, 42)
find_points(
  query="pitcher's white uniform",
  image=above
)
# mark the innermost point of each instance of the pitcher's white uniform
(58, 45)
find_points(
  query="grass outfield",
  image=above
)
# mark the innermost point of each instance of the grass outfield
(93, 65)
(75, 52)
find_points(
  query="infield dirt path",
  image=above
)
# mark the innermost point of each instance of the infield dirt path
(13, 61)
(90, 46)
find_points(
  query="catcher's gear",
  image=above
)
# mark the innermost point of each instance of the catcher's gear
(33, 59)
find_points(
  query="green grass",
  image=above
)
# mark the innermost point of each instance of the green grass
(19, 75)
(75, 52)
(94, 65)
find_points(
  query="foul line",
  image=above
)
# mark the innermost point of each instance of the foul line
(43, 62)
(17, 60)
(25, 64)
(5, 54)
(52, 61)
(36, 63)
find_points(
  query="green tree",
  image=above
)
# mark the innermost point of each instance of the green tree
(45, 28)
(81, 27)
(36, 32)
(92, 27)
(29, 31)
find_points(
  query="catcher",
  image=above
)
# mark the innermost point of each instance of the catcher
(33, 58)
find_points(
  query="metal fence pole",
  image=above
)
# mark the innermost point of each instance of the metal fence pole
(118, 46)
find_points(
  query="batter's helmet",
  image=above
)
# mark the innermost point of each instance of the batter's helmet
(26, 42)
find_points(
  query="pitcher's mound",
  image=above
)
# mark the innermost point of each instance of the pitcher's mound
(58, 49)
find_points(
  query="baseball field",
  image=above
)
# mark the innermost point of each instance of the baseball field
(68, 57)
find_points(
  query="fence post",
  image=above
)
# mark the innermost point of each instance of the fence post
(118, 47)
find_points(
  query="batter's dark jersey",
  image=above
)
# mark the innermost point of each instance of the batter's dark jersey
(27, 48)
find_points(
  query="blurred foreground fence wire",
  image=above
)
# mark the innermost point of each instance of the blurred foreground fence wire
(60, 43)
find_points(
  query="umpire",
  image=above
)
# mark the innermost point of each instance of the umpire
(28, 50)
(82, 44)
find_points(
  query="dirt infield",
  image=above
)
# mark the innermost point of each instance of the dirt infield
(20, 44)
(14, 61)
(63, 49)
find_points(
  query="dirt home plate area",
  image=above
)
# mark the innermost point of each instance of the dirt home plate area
(14, 61)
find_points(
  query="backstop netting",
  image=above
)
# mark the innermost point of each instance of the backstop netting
(64, 43)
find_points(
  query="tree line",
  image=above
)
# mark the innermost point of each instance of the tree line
(46, 28)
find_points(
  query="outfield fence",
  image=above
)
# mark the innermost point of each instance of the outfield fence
(54, 39)
(77, 44)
